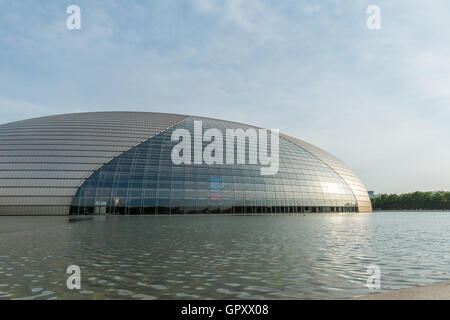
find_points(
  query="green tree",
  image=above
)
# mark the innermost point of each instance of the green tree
(413, 201)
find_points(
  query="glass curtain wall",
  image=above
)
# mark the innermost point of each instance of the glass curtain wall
(144, 180)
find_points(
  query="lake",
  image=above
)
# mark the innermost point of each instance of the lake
(312, 256)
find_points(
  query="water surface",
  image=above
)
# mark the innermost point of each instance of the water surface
(309, 256)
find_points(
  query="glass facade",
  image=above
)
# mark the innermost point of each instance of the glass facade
(144, 180)
(358, 188)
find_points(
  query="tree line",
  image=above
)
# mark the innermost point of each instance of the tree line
(413, 201)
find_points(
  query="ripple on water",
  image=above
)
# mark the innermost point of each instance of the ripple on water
(41, 295)
(249, 278)
(144, 296)
(258, 288)
(158, 286)
(225, 291)
(269, 257)
(232, 284)
(124, 292)
(86, 292)
(186, 295)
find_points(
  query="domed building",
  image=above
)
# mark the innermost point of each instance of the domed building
(122, 163)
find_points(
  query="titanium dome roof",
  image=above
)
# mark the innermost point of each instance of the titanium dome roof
(44, 161)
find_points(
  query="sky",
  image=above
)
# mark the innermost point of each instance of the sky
(378, 99)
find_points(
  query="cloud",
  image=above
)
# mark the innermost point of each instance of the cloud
(15, 110)
(204, 6)
(376, 99)
(431, 73)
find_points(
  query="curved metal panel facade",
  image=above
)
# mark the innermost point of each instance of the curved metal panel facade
(43, 161)
(119, 162)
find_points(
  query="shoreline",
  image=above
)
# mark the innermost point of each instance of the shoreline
(438, 291)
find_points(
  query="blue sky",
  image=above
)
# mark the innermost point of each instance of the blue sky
(377, 99)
